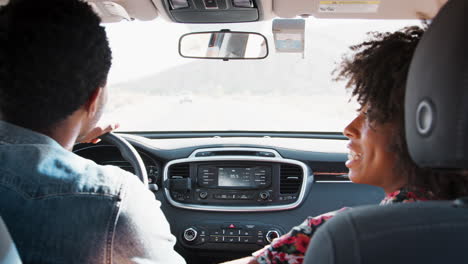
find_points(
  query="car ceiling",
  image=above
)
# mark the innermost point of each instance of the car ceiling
(117, 10)
(387, 9)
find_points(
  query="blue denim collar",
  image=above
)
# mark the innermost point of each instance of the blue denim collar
(12, 134)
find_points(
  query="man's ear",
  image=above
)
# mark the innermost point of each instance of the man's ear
(92, 104)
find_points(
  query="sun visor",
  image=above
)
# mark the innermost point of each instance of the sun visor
(110, 12)
(367, 9)
(116, 11)
(436, 103)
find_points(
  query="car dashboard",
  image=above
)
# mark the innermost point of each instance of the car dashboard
(225, 197)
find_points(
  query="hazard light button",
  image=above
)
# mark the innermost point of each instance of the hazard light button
(231, 226)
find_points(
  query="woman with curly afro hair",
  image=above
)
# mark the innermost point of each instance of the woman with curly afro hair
(376, 73)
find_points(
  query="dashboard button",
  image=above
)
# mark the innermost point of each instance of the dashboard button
(215, 232)
(247, 240)
(230, 239)
(216, 239)
(203, 195)
(230, 226)
(245, 197)
(245, 233)
(222, 196)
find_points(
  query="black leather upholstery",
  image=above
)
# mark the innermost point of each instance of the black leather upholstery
(438, 83)
(416, 233)
(436, 116)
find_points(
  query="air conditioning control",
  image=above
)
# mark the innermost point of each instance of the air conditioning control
(190, 234)
(271, 235)
(264, 195)
(216, 235)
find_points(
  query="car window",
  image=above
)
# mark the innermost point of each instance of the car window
(152, 88)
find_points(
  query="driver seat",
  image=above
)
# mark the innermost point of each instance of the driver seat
(436, 121)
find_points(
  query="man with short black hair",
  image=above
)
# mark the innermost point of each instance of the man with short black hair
(61, 208)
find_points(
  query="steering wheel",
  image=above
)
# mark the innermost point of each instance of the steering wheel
(129, 153)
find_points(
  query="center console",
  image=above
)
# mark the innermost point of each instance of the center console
(235, 179)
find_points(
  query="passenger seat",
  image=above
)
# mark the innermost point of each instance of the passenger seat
(436, 123)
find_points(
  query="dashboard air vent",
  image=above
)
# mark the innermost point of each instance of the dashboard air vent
(290, 178)
(179, 171)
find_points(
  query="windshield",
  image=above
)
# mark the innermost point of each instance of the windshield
(152, 88)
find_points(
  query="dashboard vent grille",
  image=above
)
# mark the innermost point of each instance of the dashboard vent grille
(179, 171)
(290, 178)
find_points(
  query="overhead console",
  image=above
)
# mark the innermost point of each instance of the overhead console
(213, 11)
(236, 180)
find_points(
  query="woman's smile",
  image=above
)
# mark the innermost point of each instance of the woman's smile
(353, 158)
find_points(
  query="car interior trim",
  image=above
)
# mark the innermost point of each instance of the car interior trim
(333, 182)
(233, 149)
(192, 134)
(337, 177)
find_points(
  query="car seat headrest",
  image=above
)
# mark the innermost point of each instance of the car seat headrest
(436, 101)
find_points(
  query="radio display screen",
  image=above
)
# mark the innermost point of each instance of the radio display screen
(236, 177)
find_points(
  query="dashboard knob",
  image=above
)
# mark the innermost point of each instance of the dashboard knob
(190, 234)
(264, 195)
(272, 234)
(203, 195)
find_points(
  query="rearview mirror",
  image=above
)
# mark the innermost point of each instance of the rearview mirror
(224, 44)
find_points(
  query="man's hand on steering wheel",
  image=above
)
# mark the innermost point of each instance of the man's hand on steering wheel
(128, 152)
(95, 133)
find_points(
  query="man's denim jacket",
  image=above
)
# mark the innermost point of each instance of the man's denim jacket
(61, 208)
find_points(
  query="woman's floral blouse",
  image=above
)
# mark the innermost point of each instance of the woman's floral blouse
(291, 247)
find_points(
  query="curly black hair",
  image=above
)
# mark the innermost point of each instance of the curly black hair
(53, 55)
(376, 74)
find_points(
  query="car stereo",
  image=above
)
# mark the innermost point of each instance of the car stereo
(235, 180)
(234, 177)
